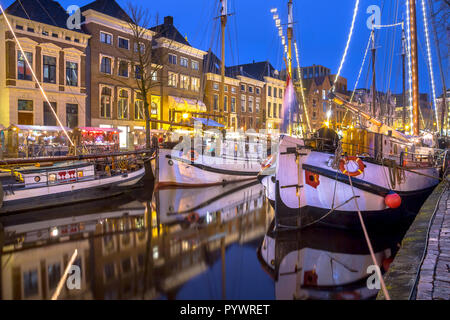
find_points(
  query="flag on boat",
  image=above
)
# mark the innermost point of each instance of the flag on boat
(290, 105)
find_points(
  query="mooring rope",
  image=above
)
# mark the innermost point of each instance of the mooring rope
(369, 244)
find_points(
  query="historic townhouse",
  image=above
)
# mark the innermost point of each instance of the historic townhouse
(57, 55)
(317, 82)
(113, 98)
(181, 86)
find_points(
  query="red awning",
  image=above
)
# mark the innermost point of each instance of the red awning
(100, 130)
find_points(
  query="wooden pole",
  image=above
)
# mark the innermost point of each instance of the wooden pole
(414, 66)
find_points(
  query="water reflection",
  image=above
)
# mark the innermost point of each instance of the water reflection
(137, 245)
(206, 243)
(324, 263)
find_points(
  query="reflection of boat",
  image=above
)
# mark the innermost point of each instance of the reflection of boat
(322, 263)
(205, 203)
(28, 188)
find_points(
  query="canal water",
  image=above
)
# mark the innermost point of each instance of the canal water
(204, 243)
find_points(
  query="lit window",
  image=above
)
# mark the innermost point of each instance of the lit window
(195, 84)
(139, 107)
(105, 103)
(233, 104)
(216, 86)
(23, 72)
(184, 82)
(173, 79)
(122, 108)
(195, 65)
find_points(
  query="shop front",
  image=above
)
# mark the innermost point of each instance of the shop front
(181, 110)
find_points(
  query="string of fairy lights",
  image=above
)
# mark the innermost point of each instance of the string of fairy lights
(430, 62)
(299, 73)
(34, 75)
(277, 21)
(349, 38)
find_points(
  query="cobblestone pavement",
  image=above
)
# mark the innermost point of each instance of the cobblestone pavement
(434, 280)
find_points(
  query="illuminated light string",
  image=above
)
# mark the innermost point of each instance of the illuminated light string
(430, 62)
(362, 66)
(408, 45)
(355, 12)
(34, 75)
(301, 85)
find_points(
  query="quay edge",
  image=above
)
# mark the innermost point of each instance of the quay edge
(402, 277)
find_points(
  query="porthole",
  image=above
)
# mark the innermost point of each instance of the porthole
(170, 162)
(37, 179)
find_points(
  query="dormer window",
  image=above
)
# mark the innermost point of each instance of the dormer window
(30, 29)
(19, 27)
(45, 33)
(54, 35)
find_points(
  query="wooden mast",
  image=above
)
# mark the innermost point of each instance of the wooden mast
(289, 57)
(223, 23)
(404, 79)
(414, 66)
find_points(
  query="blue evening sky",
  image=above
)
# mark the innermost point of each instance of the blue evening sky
(321, 32)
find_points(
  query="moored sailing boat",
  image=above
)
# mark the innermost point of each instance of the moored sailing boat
(378, 171)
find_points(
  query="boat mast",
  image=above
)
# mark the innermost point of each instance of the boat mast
(289, 53)
(414, 66)
(404, 78)
(374, 97)
(289, 36)
(223, 23)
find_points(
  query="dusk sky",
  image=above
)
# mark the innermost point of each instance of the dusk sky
(321, 32)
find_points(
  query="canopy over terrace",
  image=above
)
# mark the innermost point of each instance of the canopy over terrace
(209, 122)
(179, 107)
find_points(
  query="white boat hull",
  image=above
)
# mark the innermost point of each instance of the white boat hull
(177, 170)
(322, 188)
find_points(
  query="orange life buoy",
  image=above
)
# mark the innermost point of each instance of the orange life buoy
(268, 162)
(346, 160)
(192, 155)
(192, 217)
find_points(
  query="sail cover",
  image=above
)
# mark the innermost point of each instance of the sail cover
(290, 105)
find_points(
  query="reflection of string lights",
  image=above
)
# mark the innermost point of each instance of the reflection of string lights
(34, 75)
(430, 63)
(408, 38)
(301, 84)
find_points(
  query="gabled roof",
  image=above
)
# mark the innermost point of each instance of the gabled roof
(168, 30)
(44, 11)
(255, 70)
(108, 7)
(211, 63)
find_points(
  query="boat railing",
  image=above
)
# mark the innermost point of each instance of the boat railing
(401, 157)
